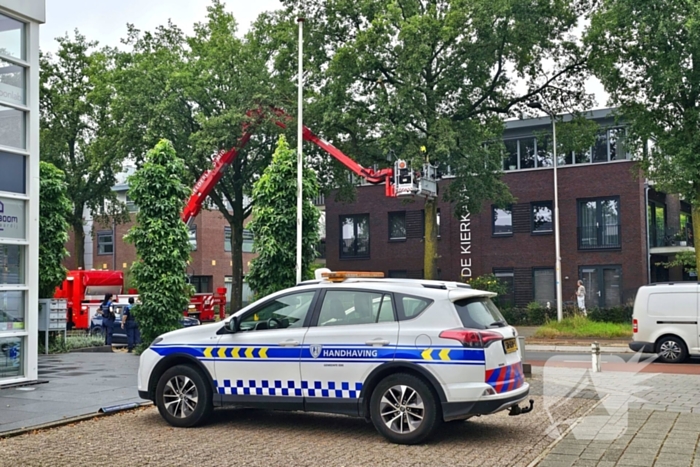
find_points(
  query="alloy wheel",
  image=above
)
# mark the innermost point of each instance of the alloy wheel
(670, 350)
(402, 409)
(180, 396)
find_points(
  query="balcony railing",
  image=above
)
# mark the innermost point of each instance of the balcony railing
(663, 237)
(599, 237)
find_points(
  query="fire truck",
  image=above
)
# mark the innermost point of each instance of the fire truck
(84, 290)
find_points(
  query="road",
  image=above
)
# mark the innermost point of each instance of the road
(613, 362)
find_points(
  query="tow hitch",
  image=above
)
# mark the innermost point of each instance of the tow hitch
(517, 410)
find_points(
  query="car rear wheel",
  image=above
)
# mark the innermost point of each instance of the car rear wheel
(404, 409)
(671, 349)
(183, 396)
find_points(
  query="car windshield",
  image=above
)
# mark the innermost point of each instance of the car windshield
(479, 313)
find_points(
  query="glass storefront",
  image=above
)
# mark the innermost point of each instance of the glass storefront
(11, 355)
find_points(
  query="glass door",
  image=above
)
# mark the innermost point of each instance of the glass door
(603, 286)
(589, 276)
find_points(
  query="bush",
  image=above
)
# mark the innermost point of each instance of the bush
(620, 314)
(536, 315)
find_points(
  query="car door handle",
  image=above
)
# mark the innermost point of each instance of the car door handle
(378, 341)
(289, 343)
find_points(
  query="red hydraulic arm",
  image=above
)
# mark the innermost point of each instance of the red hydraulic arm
(211, 177)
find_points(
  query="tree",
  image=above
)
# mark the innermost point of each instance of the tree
(54, 209)
(76, 130)
(161, 241)
(196, 91)
(274, 223)
(441, 74)
(647, 55)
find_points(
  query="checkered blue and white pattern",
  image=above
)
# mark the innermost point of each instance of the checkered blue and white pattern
(251, 387)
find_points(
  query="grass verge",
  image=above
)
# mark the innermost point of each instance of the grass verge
(580, 326)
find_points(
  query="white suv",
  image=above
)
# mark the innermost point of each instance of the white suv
(406, 354)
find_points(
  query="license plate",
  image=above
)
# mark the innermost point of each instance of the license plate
(510, 345)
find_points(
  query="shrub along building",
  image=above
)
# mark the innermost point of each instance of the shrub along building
(614, 226)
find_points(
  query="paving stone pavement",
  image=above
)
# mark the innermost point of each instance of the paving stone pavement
(655, 424)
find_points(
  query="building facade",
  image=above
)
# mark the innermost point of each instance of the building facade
(19, 188)
(605, 224)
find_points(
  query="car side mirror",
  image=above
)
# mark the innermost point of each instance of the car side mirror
(233, 325)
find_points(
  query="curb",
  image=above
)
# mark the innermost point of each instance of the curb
(97, 348)
(68, 421)
(574, 348)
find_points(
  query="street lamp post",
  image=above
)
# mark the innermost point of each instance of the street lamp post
(300, 141)
(557, 238)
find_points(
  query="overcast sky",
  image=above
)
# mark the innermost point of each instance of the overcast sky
(105, 20)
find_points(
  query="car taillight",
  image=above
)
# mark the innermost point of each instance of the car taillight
(635, 325)
(472, 337)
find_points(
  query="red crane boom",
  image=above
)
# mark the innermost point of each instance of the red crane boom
(211, 177)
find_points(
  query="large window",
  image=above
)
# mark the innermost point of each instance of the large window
(599, 223)
(506, 276)
(541, 217)
(12, 38)
(354, 239)
(283, 312)
(12, 264)
(193, 238)
(12, 83)
(502, 220)
(526, 148)
(105, 243)
(397, 225)
(12, 310)
(657, 224)
(202, 284)
(543, 281)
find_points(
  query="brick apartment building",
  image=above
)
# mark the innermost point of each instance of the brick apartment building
(614, 227)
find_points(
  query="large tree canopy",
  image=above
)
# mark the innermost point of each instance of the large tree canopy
(77, 130)
(647, 55)
(398, 75)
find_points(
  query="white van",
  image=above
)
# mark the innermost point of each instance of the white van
(665, 321)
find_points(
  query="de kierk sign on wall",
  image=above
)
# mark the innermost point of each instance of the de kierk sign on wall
(12, 219)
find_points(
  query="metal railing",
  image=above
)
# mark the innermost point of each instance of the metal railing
(599, 237)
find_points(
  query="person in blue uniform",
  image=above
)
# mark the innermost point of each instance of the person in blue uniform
(107, 318)
(129, 324)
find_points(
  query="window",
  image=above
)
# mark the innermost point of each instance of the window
(12, 38)
(526, 148)
(599, 223)
(600, 148)
(11, 265)
(397, 225)
(247, 241)
(479, 313)
(193, 238)
(11, 354)
(510, 160)
(246, 295)
(410, 307)
(616, 140)
(544, 152)
(541, 217)
(12, 218)
(502, 220)
(657, 224)
(438, 222)
(247, 245)
(344, 307)
(13, 174)
(686, 223)
(12, 83)
(11, 311)
(130, 205)
(105, 243)
(398, 274)
(288, 311)
(202, 284)
(354, 239)
(506, 276)
(12, 127)
(543, 280)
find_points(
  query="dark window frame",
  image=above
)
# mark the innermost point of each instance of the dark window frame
(547, 203)
(579, 203)
(100, 235)
(346, 256)
(390, 214)
(510, 296)
(553, 303)
(600, 268)
(493, 221)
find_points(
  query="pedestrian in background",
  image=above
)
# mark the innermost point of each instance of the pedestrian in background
(581, 297)
(107, 318)
(129, 324)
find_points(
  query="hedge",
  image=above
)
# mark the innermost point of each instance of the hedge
(536, 315)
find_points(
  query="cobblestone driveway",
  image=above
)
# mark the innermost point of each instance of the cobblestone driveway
(266, 438)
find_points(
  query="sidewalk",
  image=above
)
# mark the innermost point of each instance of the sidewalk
(78, 384)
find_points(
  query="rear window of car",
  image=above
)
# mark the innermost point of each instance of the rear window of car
(479, 313)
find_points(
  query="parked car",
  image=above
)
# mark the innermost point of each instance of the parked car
(665, 321)
(405, 354)
(119, 334)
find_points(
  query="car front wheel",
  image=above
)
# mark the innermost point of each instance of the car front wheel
(183, 396)
(404, 409)
(672, 349)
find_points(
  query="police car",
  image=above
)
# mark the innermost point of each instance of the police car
(405, 354)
